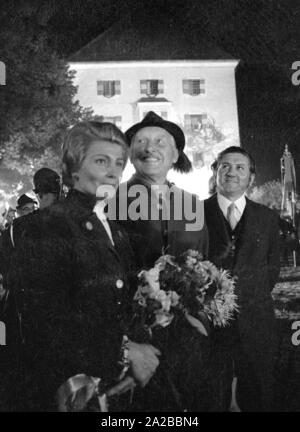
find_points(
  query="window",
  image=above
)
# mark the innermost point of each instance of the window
(194, 122)
(108, 88)
(152, 88)
(162, 114)
(193, 87)
(114, 119)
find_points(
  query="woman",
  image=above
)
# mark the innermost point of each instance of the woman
(70, 279)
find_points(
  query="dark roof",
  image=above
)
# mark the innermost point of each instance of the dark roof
(144, 38)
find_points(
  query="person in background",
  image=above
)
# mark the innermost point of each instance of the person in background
(3, 210)
(47, 187)
(25, 205)
(244, 239)
(9, 217)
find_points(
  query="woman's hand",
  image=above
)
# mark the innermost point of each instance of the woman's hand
(143, 361)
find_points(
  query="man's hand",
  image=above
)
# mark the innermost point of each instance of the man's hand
(143, 361)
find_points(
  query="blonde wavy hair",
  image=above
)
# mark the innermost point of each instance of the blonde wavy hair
(78, 140)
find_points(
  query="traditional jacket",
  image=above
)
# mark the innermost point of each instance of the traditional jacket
(71, 290)
(161, 228)
(181, 380)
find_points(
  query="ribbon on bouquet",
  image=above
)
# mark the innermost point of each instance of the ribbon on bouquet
(75, 393)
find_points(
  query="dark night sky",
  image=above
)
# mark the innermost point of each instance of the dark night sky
(263, 34)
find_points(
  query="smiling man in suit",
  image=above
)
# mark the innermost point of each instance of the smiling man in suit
(244, 239)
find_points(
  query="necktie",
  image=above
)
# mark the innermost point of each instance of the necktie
(231, 215)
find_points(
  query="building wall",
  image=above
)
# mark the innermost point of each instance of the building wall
(218, 102)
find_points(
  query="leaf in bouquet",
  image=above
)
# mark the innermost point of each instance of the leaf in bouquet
(196, 323)
(205, 320)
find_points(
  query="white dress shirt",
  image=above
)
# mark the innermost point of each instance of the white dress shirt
(99, 210)
(240, 205)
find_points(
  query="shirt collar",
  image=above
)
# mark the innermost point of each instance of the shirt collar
(99, 209)
(224, 203)
(138, 179)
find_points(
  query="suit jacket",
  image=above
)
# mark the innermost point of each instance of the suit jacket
(70, 286)
(256, 265)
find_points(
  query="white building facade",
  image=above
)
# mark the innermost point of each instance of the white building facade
(183, 91)
(199, 95)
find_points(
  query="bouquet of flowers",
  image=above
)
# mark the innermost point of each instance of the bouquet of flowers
(189, 286)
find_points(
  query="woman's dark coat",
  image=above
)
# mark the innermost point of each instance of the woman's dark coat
(71, 290)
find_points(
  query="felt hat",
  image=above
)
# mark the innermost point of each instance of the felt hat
(183, 163)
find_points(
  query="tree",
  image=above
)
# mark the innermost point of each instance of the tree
(205, 140)
(37, 105)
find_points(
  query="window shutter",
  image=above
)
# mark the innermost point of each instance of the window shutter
(185, 86)
(106, 88)
(117, 87)
(202, 88)
(100, 87)
(112, 91)
(160, 86)
(143, 84)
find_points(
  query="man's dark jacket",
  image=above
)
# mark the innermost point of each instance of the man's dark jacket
(150, 237)
(181, 380)
(252, 255)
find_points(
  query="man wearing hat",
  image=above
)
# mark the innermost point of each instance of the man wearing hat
(47, 187)
(156, 146)
(25, 205)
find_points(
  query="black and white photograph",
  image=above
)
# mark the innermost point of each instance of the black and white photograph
(149, 208)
